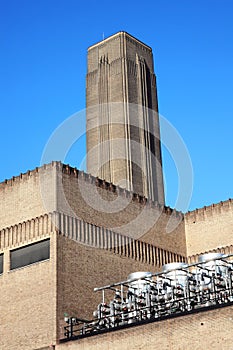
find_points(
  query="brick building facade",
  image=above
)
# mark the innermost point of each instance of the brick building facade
(85, 250)
(64, 232)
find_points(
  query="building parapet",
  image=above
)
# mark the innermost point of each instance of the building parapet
(27, 174)
(210, 210)
(101, 183)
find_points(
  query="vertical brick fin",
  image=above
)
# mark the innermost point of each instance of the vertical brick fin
(82, 232)
(120, 245)
(157, 256)
(109, 239)
(113, 241)
(77, 225)
(61, 224)
(27, 231)
(37, 232)
(70, 225)
(223, 250)
(67, 227)
(10, 233)
(141, 251)
(166, 257)
(135, 256)
(148, 253)
(153, 255)
(124, 246)
(51, 217)
(132, 251)
(3, 239)
(162, 262)
(28, 224)
(117, 243)
(15, 228)
(86, 238)
(100, 237)
(142, 244)
(36, 227)
(94, 235)
(86, 233)
(19, 234)
(40, 226)
(143, 255)
(106, 239)
(140, 258)
(22, 232)
(91, 234)
(28, 227)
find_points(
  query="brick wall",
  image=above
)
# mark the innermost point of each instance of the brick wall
(102, 204)
(83, 256)
(20, 197)
(205, 330)
(79, 195)
(56, 187)
(28, 301)
(209, 228)
(81, 269)
(34, 298)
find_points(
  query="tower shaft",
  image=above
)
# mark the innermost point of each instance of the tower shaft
(123, 135)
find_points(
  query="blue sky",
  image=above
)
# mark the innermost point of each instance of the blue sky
(43, 67)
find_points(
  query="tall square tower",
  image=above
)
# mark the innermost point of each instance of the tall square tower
(123, 135)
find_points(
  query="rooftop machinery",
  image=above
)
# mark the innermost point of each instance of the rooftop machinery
(179, 288)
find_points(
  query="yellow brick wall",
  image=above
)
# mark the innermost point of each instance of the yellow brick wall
(81, 269)
(53, 188)
(209, 228)
(20, 197)
(115, 209)
(210, 330)
(34, 298)
(28, 302)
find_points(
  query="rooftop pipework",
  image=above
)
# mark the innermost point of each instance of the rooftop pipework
(180, 288)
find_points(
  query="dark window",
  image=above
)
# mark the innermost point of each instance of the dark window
(1, 263)
(30, 254)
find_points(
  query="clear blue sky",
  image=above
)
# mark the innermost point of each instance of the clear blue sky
(43, 67)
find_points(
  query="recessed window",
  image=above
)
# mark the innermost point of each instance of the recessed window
(30, 254)
(1, 264)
